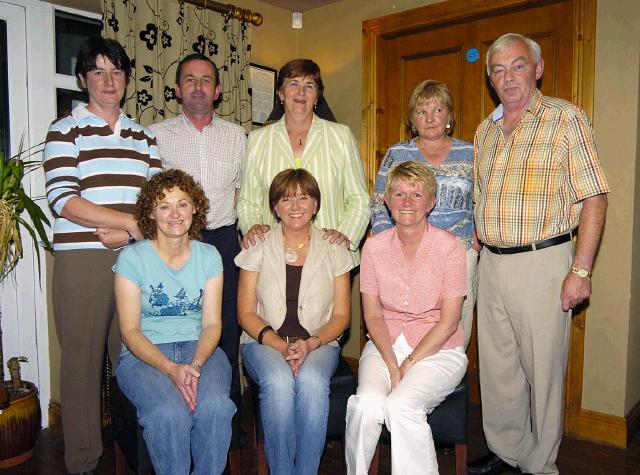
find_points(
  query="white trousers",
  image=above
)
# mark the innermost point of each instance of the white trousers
(404, 410)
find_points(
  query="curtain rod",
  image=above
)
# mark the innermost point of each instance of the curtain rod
(229, 10)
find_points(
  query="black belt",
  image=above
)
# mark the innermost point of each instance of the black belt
(554, 241)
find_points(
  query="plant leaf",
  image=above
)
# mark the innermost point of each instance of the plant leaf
(30, 230)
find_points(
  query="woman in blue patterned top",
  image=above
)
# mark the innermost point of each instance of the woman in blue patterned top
(169, 296)
(431, 120)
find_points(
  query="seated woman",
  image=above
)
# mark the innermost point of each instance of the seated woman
(168, 294)
(293, 304)
(413, 281)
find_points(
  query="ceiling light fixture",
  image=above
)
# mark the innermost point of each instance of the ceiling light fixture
(296, 20)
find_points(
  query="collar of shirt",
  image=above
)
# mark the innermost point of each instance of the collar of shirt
(81, 113)
(533, 107)
(407, 268)
(188, 124)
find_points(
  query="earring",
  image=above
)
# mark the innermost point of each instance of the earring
(315, 106)
(448, 126)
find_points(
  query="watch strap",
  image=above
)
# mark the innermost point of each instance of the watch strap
(581, 272)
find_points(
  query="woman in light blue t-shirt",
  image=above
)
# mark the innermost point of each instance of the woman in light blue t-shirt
(169, 296)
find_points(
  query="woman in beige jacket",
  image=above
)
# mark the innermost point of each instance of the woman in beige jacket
(293, 304)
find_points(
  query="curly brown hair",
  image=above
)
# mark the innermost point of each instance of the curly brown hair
(154, 190)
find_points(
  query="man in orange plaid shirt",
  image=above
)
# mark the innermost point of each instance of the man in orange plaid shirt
(537, 181)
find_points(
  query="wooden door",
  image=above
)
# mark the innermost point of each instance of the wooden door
(455, 55)
(448, 41)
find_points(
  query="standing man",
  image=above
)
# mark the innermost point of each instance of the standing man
(211, 150)
(537, 181)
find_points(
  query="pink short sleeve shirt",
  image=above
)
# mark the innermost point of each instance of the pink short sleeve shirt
(411, 293)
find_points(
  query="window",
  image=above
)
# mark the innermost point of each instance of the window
(72, 28)
(5, 131)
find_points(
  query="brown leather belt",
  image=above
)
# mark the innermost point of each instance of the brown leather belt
(536, 246)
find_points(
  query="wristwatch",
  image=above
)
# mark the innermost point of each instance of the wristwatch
(581, 272)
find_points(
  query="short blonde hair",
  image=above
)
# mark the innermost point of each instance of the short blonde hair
(412, 172)
(508, 38)
(427, 91)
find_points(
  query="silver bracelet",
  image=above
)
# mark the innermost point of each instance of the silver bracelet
(196, 365)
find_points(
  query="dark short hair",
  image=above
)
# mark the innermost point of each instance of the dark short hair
(300, 68)
(98, 46)
(287, 182)
(197, 57)
(154, 190)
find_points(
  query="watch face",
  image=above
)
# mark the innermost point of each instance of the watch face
(580, 272)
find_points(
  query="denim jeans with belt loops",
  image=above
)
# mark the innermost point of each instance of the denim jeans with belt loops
(172, 432)
(294, 411)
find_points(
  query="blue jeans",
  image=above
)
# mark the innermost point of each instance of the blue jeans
(294, 411)
(171, 430)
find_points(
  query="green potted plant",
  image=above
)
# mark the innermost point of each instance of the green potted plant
(19, 405)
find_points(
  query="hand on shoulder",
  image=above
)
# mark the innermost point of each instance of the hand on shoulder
(256, 233)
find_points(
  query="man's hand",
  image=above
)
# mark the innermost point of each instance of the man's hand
(112, 238)
(257, 231)
(335, 237)
(575, 290)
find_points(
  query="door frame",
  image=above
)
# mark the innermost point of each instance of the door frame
(25, 298)
(583, 78)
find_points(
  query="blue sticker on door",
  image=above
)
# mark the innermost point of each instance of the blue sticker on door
(472, 55)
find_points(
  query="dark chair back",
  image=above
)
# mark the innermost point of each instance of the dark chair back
(127, 434)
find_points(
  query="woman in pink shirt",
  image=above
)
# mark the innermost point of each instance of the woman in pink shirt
(413, 283)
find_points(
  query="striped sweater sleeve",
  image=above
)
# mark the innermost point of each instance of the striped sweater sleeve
(61, 164)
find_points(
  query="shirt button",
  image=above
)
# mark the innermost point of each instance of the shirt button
(300, 307)
(405, 303)
(408, 288)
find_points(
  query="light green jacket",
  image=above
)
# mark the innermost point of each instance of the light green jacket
(330, 155)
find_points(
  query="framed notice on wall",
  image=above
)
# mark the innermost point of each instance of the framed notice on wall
(263, 92)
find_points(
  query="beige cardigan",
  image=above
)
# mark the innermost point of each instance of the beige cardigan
(324, 262)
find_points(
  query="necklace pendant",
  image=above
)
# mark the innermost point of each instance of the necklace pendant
(290, 256)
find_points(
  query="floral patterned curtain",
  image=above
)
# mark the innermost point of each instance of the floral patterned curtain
(158, 33)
